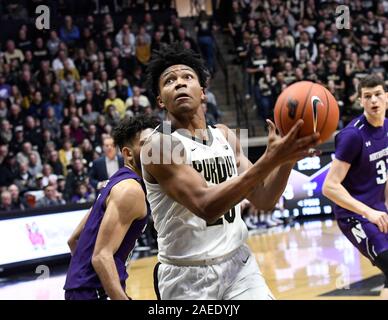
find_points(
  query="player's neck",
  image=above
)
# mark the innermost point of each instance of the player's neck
(133, 168)
(377, 121)
(191, 123)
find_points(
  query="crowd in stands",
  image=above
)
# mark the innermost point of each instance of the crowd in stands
(63, 90)
(281, 42)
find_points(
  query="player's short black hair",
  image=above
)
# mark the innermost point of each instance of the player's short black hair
(370, 81)
(170, 55)
(128, 128)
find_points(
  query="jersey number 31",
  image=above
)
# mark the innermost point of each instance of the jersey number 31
(381, 172)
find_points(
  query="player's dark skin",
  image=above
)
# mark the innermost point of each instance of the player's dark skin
(262, 182)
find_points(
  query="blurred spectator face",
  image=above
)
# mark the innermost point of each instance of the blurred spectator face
(62, 55)
(86, 145)
(78, 165)
(69, 22)
(136, 91)
(10, 46)
(53, 35)
(14, 190)
(27, 147)
(267, 71)
(364, 41)
(6, 199)
(288, 66)
(22, 34)
(109, 148)
(299, 73)
(376, 60)
(30, 122)
(49, 192)
(266, 32)
(304, 37)
(88, 108)
(114, 61)
(37, 97)
(33, 159)
(47, 170)
(77, 154)
(23, 167)
(46, 135)
(328, 36)
(126, 29)
(15, 109)
(384, 42)
(112, 94)
(148, 18)
(5, 125)
(53, 156)
(258, 51)
(181, 33)
(67, 145)
(66, 130)
(92, 129)
(39, 42)
(280, 77)
(50, 112)
(3, 150)
(333, 66)
(75, 122)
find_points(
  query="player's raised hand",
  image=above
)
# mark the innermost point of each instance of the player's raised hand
(379, 218)
(290, 148)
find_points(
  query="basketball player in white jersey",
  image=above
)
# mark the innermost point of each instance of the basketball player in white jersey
(196, 177)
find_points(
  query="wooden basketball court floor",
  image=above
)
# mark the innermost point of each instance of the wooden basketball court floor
(307, 261)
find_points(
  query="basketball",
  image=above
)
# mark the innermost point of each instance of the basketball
(308, 101)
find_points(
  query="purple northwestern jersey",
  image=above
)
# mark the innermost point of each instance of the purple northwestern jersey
(81, 273)
(366, 148)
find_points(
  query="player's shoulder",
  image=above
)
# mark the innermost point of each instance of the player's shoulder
(160, 144)
(354, 127)
(127, 190)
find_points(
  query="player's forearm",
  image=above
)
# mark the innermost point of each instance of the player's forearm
(265, 195)
(218, 199)
(340, 196)
(73, 240)
(106, 270)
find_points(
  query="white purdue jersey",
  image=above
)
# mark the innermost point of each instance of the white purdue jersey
(183, 236)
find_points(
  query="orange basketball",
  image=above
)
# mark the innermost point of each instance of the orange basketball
(308, 101)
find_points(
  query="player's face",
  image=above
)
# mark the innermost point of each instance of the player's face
(132, 155)
(180, 90)
(374, 101)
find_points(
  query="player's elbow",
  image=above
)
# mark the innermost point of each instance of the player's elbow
(98, 260)
(327, 189)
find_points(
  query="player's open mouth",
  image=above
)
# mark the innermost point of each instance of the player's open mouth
(182, 96)
(375, 108)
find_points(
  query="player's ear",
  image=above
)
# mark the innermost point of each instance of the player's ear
(203, 96)
(127, 154)
(160, 102)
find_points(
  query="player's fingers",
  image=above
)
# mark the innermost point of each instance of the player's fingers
(271, 128)
(293, 133)
(309, 141)
(385, 223)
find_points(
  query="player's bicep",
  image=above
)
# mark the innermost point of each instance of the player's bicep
(181, 182)
(125, 204)
(338, 171)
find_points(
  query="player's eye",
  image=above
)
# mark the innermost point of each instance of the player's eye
(189, 76)
(169, 81)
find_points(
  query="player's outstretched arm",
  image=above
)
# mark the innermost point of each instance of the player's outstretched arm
(336, 192)
(125, 204)
(267, 192)
(73, 240)
(186, 186)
